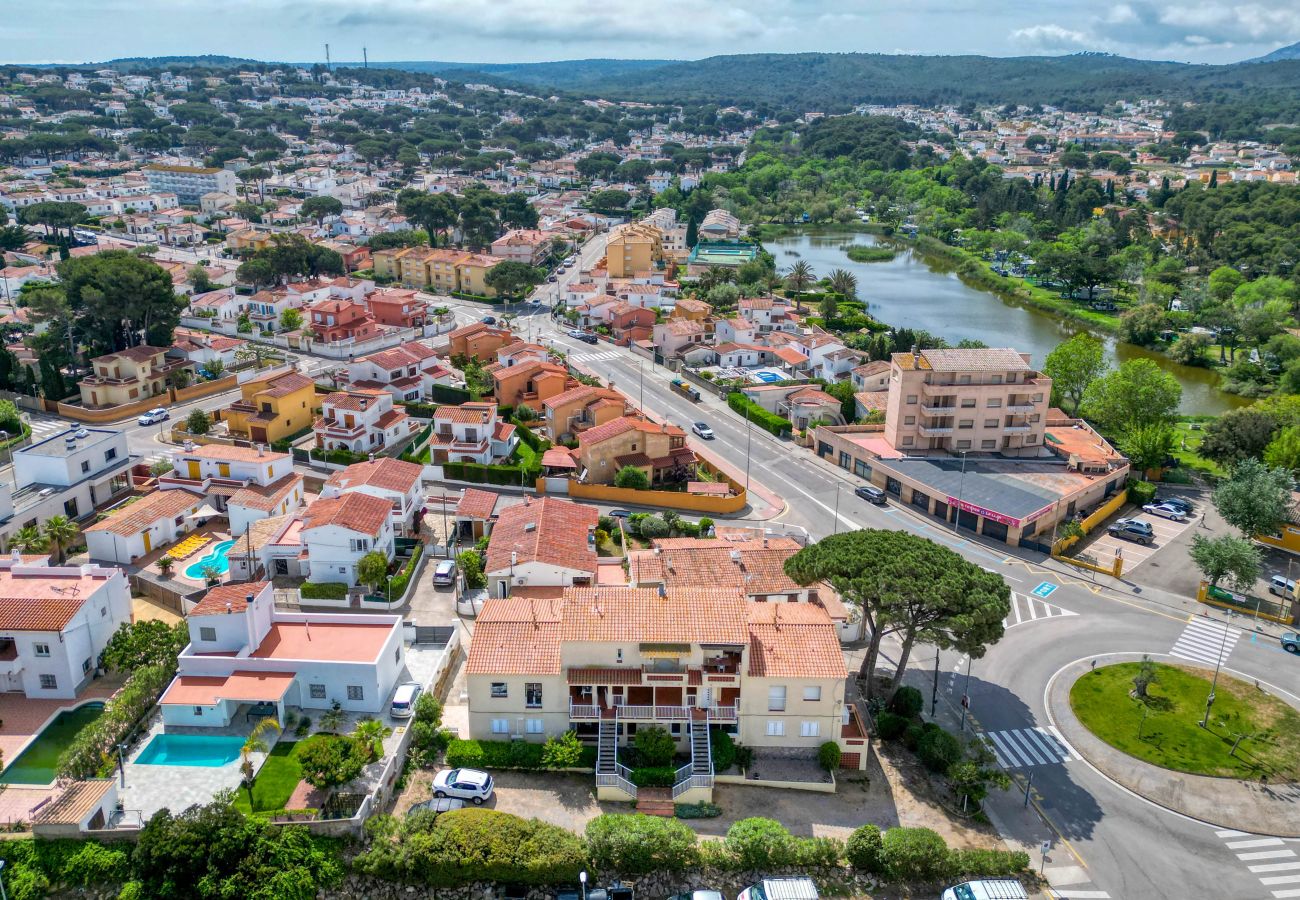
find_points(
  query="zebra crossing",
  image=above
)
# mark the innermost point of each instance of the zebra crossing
(1072, 883)
(43, 427)
(1206, 641)
(1268, 858)
(1026, 608)
(594, 357)
(1021, 748)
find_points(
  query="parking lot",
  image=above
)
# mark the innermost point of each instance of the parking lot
(1101, 546)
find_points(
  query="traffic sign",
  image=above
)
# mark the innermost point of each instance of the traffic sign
(1044, 590)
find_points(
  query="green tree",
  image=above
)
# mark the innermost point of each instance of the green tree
(610, 200)
(1137, 393)
(1224, 281)
(198, 422)
(1146, 675)
(29, 539)
(1074, 365)
(471, 566)
(1238, 434)
(654, 746)
(632, 477)
(59, 532)
(372, 569)
(256, 272)
(369, 735)
(1254, 499)
(1190, 349)
(1234, 558)
(799, 277)
(435, 213)
(512, 279)
(200, 281)
(290, 320)
(1284, 451)
(910, 587)
(844, 283)
(1148, 446)
(58, 217)
(328, 760)
(321, 208)
(147, 642)
(1143, 325)
(120, 300)
(255, 743)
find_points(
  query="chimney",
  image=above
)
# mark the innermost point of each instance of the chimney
(249, 599)
(916, 355)
(372, 457)
(363, 404)
(16, 556)
(229, 608)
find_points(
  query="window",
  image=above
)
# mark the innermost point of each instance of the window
(995, 379)
(499, 691)
(861, 469)
(85, 465)
(775, 728)
(103, 612)
(618, 655)
(990, 423)
(963, 379)
(316, 691)
(207, 633)
(533, 726)
(989, 445)
(966, 423)
(85, 665)
(49, 683)
(1031, 439)
(198, 710)
(360, 545)
(909, 420)
(500, 726)
(533, 694)
(963, 445)
(110, 454)
(911, 399)
(810, 729)
(812, 692)
(907, 441)
(355, 692)
(41, 649)
(776, 698)
(995, 402)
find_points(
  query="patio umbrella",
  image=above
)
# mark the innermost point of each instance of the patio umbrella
(206, 511)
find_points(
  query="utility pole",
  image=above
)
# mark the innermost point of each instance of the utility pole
(836, 525)
(965, 696)
(365, 59)
(1218, 661)
(934, 696)
(747, 440)
(961, 486)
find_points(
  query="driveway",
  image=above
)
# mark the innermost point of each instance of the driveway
(1102, 546)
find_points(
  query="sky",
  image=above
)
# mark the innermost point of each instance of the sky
(1203, 31)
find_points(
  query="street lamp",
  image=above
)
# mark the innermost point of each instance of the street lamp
(3, 896)
(836, 523)
(121, 768)
(965, 695)
(1218, 661)
(747, 440)
(582, 879)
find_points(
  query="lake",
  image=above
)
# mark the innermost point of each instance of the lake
(907, 293)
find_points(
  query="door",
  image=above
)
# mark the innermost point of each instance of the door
(704, 699)
(194, 468)
(148, 542)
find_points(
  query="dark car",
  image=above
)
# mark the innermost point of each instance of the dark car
(587, 337)
(1290, 642)
(872, 494)
(438, 805)
(1185, 505)
(1134, 530)
(489, 320)
(619, 514)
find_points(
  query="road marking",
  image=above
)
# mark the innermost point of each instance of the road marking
(1261, 842)
(1206, 641)
(1266, 854)
(1072, 894)
(1044, 590)
(594, 357)
(1025, 608)
(1292, 893)
(1023, 747)
(1280, 879)
(1275, 867)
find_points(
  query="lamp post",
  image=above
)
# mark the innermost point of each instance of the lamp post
(582, 880)
(965, 695)
(747, 440)
(961, 486)
(934, 695)
(1218, 661)
(3, 896)
(121, 767)
(836, 523)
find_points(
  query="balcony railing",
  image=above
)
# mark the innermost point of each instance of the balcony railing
(583, 711)
(695, 781)
(656, 712)
(938, 410)
(931, 430)
(1020, 408)
(1017, 429)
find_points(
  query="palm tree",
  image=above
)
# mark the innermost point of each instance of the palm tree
(30, 540)
(255, 743)
(369, 735)
(798, 278)
(844, 283)
(332, 719)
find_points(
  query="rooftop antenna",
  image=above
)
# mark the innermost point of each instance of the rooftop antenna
(327, 58)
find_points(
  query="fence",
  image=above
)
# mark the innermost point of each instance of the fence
(1097, 517)
(705, 503)
(1279, 610)
(127, 410)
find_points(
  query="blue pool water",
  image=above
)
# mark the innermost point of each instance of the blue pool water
(190, 750)
(216, 558)
(768, 377)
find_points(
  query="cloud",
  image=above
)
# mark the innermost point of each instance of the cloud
(1053, 38)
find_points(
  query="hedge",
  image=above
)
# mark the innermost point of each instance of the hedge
(506, 755)
(323, 590)
(529, 437)
(445, 393)
(762, 418)
(397, 583)
(654, 776)
(640, 844)
(1140, 493)
(419, 410)
(483, 474)
(85, 756)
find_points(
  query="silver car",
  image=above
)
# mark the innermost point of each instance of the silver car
(1166, 511)
(464, 784)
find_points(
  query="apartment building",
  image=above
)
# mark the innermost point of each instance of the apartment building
(69, 474)
(525, 245)
(190, 183)
(985, 401)
(125, 376)
(633, 248)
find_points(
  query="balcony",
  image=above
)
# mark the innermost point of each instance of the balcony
(590, 712)
(934, 431)
(1017, 429)
(1020, 409)
(939, 410)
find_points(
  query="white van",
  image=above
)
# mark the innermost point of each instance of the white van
(780, 889)
(994, 889)
(404, 700)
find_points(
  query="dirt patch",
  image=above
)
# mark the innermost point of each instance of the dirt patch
(921, 802)
(419, 787)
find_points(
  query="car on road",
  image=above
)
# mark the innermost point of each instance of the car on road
(1134, 530)
(992, 889)
(1290, 641)
(619, 514)
(444, 573)
(1281, 587)
(1166, 511)
(701, 894)
(872, 494)
(703, 430)
(438, 805)
(489, 320)
(586, 337)
(403, 705)
(154, 416)
(550, 278)
(465, 784)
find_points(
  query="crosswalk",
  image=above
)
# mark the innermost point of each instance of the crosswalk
(1026, 608)
(43, 427)
(1268, 858)
(1072, 883)
(594, 357)
(1021, 748)
(1206, 641)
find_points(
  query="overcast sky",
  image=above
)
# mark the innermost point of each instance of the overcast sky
(1209, 31)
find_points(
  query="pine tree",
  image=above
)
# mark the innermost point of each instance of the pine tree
(1214, 178)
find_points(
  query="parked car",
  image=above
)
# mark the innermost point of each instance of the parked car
(1222, 595)
(403, 705)
(1185, 505)
(619, 514)
(550, 278)
(466, 784)
(438, 805)
(703, 430)
(1134, 530)
(792, 888)
(1166, 511)
(872, 494)
(1290, 642)
(702, 894)
(1282, 587)
(586, 337)
(153, 416)
(991, 889)
(444, 573)
(489, 320)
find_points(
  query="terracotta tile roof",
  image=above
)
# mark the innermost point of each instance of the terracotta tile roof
(746, 567)
(142, 353)
(875, 367)
(357, 512)
(226, 453)
(640, 614)
(214, 601)
(476, 504)
(129, 521)
(255, 496)
(385, 472)
(282, 385)
(75, 803)
(793, 640)
(351, 401)
(599, 675)
(516, 636)
(991, 359)
(466, 413)
(390, 418)
(790, 355)
(44, 601)
(549, 530)
(621, 425)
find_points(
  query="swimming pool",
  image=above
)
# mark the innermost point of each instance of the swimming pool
(216, 559)
(190, 750)
(37, 763)
(768, 377)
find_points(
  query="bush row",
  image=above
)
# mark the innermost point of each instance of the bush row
(397, 583)
(323, 590)
(558, 752)
(85, 756)
(483, 474)
(759, 416)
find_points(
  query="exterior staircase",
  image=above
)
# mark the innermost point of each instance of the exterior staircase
(655, 802)
(609, 773)
(701, 749)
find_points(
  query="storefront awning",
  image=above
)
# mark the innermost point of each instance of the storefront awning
(665, 651)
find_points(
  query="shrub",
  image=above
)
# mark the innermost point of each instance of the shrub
(890, 726)
(428, 708)
(907, 702)
(654, 746)
(85, 755)
(654, 527)
(96, 864)
(722, 749)
(986, 863)
(828, 756)
(744, 756)
(494, 754)
(914, 854)
(329, 760)
(471, 566)
(632, 478)
(704, 810)
(939, 750)
(769, 422)
(864, 849)
(303, 728)
(327, 590)
(654, 776)
(818, 852)
(912, 736)
(1141, 492)
(760, 843)
(562, 752)
(640, 845)
(132, 890)
(705, 524)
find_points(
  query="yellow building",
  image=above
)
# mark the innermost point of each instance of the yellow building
(413, 266)
(471, 273)
(248, 239)
(273, 408)
(126, 376)
(633, 248)
(387, 263)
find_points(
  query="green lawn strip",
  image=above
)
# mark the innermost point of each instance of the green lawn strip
(1186, 442)
(1172, 737)
(275, 781)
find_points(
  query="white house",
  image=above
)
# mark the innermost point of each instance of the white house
(136, 530)
(202, 348)
(245, 483)
(471, 432)
(738, 330)
(542, 543)
(70, 474)
(408, 371)
(361, 421)
(244, 653)
(338, 531)
(393, 480)
(740, 355)
(54, 623)
(222, 303)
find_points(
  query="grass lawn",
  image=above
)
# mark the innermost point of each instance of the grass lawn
(275, 781)
(1171, 736)
(1186, 442)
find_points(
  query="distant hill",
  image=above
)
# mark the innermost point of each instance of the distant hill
(174, 62)
(571, 73)
(1291, 51)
